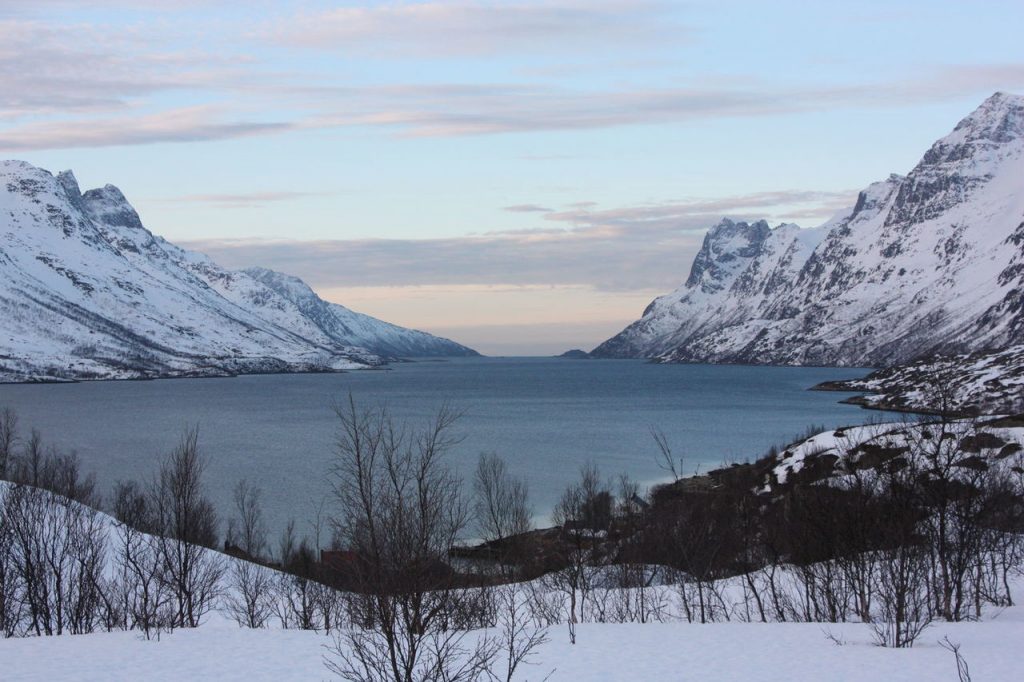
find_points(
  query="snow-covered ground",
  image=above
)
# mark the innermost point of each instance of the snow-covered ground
(985, 382)
(781, 652)
(850, 442)
(669, 650)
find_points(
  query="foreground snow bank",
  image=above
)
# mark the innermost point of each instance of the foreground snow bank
(660, 651)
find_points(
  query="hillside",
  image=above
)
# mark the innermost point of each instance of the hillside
(87, 292)
(924, 263)
(976, 383)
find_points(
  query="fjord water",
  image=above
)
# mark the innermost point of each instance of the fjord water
(546, 416)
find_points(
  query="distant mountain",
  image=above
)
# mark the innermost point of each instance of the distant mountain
(86, 292)
(927, 263)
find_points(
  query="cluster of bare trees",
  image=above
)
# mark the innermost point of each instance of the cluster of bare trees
(56, 548)
(401, 515)
(52, 543)
(919, 524)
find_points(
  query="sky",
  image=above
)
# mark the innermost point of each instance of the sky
(522, 176)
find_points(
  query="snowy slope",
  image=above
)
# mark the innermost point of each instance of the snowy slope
(351, 328)
(670, 649)
(930, 262)
(985, 382)
(87, 292)
(995, 442)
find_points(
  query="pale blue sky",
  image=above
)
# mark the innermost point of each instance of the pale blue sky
(523, 176)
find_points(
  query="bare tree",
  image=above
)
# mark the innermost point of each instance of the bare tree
(401, 513)
(246, 530)
(667, 460)
(143, 592)
(11, 588)
(518, 635)
(584, 514)
(187, 526)
(8, 439)
(504, 517)
(249, 598)
(57, 549)
(30, 467)
(503, 514)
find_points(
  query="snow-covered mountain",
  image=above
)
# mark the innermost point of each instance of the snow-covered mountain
(87, 292)
(930, 262)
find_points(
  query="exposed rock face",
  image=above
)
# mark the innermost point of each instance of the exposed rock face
(86, 291)
(930, 262)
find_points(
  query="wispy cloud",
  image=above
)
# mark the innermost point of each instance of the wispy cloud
(431, 111)
(65, 85)
(460, 27)
(82, 69)
(190, 124)
(527, 208)
(627, 249)
(246, 200)
(670, 215)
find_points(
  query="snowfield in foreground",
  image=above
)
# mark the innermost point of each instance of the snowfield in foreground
(658, 651)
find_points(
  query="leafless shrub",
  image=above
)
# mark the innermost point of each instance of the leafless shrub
(140, 588)
(8, 439)
(187, 526)
(249, 598)
(57, 550)
(401, 513)
(963, 672)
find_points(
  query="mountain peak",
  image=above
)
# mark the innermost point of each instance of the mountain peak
(108, 205)
(1000, 119)
(725, 245)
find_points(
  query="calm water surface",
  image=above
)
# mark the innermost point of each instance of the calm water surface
(546, 416)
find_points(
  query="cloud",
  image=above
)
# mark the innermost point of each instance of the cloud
(246, 200)
(527, 208)
(428, 111)
(467, 28)
(67, 69)
(667, 215)
(641, 248)
(66, 85)
(433, 110)
(191, 124)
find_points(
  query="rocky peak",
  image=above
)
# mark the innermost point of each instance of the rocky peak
(999, 120)
(292, 288)
(961, 163)
(69, 182)
(726, 246)
(109, 205)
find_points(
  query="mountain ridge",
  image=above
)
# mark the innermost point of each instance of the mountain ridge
(87, 292)
(924, 263)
